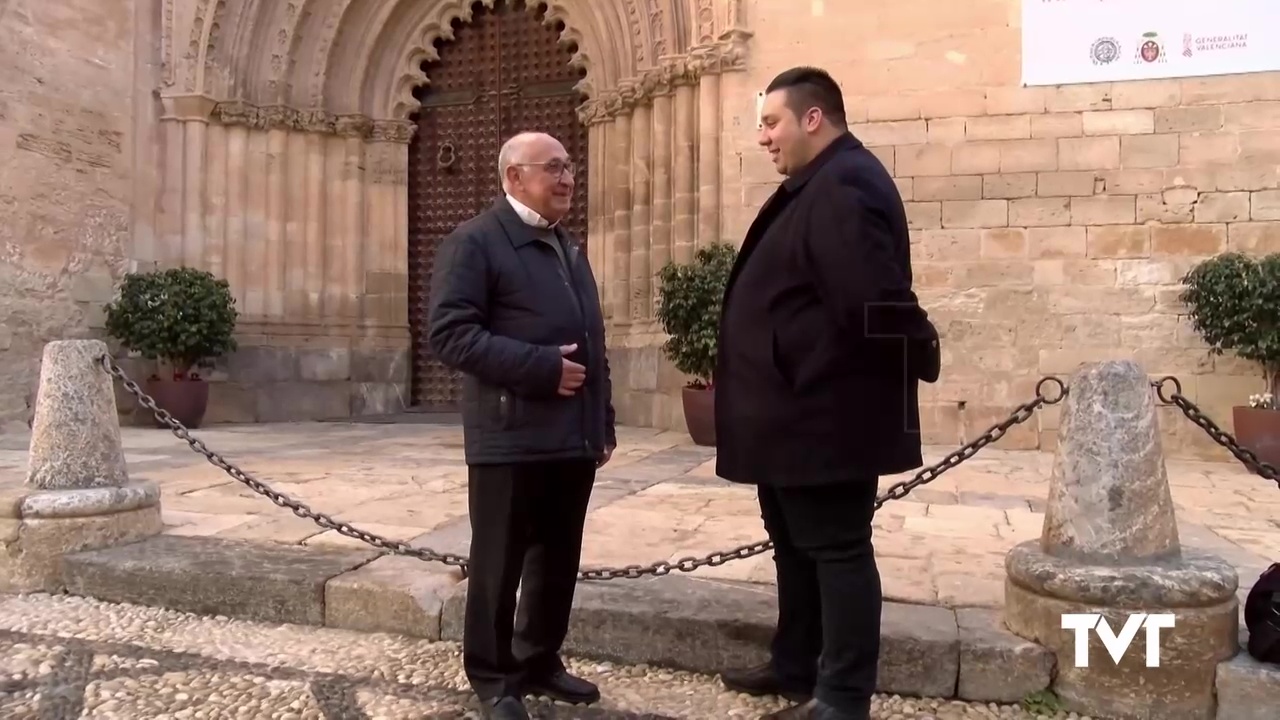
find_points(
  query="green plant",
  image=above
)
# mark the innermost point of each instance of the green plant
(1234, 304)
(689, 300)
(1042, 702)
(181, 316)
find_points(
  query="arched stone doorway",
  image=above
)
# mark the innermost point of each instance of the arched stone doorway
(281, 162)
(505, 71)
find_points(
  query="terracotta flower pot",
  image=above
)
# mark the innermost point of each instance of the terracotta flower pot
(186, 400)
(1258, 430)
(700, 415)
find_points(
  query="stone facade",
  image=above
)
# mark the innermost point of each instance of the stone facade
(1051, 224)
(66, 165)
(267, 142)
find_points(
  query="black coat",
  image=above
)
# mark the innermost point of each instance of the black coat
(822, 341)
(502, 304)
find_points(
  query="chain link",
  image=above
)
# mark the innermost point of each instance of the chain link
(1196, 415)
(300, 509)
(897, 491)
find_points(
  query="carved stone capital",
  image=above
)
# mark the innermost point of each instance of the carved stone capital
(283, 117)
(630, 93)
(278, 117)
(732, 48)
(317, 121)
(725, 54)
(353, 126)
(683, 71)
(662, 80)
(593, 112)
(235, 113)
(188, 107)
(392, 131)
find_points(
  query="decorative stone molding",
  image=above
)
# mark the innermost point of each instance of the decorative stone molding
(439, 26)
(727, 54)
(309, 225)
(280, 117)
(358, 69)
(196, 108)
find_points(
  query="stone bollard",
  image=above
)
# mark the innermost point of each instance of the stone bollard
(1110, 547)
(78, 495)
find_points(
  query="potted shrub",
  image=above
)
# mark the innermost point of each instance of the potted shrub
(689, 300)
(1234, 303)
(182, 318)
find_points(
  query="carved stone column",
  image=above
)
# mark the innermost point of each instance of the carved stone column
(709, 200)
(346, 261)
(641, 209)
(660, 233)
(620, 152)
(684, 206)
(276, 211)
(180, 220)
(234, 251)
(215, 200)
(386, 282)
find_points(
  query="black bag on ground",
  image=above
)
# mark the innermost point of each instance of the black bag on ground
(1262, 617)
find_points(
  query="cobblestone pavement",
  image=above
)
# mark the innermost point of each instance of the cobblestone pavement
(63, 658)
(658, 499)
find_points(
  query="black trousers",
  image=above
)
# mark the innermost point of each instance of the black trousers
(526, 533)
(828, 635)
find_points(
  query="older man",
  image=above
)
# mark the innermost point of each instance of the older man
(514, 307)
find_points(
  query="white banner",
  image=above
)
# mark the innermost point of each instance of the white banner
(1085, 41)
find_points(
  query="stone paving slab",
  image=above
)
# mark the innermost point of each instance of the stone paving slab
(676, 622)
(659, 499)
(65, 658)
(211, 576)
(1247, 689)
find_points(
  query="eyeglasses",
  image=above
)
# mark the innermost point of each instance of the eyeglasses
(554, 167)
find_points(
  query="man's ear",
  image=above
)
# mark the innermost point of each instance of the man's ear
(813, 119)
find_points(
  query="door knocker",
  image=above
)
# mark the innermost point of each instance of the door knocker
(446, 156)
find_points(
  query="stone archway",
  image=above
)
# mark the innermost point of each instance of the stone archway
(282, 155)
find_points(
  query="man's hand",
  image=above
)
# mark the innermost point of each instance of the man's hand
(608, 454)
(572, 375)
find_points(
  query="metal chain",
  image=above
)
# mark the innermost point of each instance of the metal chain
(658, 569)
(1220, 436)
(897, 491)
(300, 509)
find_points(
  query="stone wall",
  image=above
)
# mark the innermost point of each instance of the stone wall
(1051, 225)
(66, 163)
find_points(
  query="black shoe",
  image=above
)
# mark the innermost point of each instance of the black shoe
(565, 688)
(812, 710)
(761, 680)
(504, 708)
(823, 711)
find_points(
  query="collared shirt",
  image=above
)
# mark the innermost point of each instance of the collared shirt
(546, 233)
(528, 214)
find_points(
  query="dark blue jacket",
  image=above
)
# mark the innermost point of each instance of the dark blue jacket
(822, 341)
(502, 304)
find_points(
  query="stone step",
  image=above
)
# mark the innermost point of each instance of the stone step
(1247, 689)
(263, 582)
(681, 622)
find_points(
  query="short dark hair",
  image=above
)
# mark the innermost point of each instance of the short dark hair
(809, 87)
